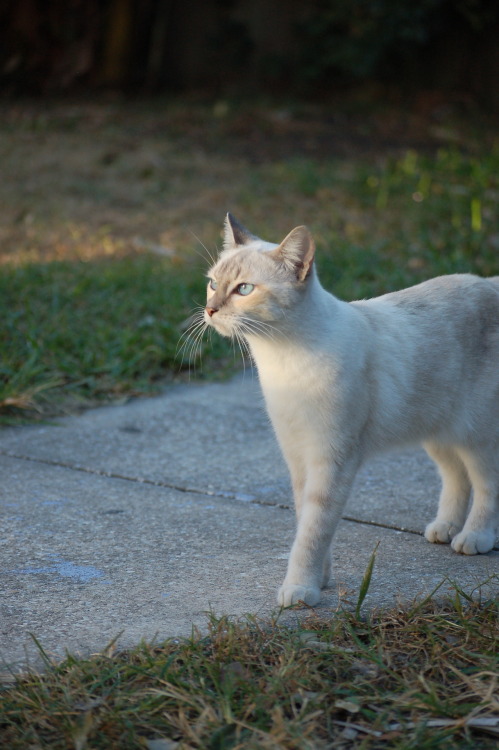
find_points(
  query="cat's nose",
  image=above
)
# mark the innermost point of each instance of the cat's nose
(211, 311)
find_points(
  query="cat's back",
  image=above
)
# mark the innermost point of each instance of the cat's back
(443, 291)
(455, 297)
(447, 317)
(434, 344)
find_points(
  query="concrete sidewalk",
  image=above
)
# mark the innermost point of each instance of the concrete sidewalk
(138, 519)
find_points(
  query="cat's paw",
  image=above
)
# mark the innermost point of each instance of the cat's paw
(291, 593)
(441, 532)
(474, 542)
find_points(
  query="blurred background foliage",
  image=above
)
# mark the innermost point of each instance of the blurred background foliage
(233, 46)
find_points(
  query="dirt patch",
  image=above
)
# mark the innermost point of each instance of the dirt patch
(83, 180)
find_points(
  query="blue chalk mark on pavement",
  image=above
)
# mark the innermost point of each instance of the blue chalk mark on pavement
(65, 569)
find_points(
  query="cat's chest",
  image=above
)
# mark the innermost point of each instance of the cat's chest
(297, 385)
(288, 367)
(312, 393)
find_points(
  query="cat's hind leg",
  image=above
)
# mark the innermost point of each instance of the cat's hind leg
(454, 497)
(479, 532)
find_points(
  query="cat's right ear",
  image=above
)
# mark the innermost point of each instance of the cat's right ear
(235, 234)
(296, 252)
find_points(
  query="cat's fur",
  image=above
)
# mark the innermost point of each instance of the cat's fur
(343, 381)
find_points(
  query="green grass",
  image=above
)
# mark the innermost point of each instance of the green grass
(91, 331)
(92, 312)
(421, 678)
(404, 219)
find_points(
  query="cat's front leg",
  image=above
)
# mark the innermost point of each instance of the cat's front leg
(325, 495)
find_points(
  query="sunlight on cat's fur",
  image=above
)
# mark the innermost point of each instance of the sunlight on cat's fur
(343, 381)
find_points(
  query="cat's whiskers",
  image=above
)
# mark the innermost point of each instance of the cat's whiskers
(209, 255)
(246, 322)
(260, 328)
(245, 344)
(197, 345)
(195, 320)
(238, 335)
(190, 342)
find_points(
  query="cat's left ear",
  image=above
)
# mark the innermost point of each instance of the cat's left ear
(235, 234)
(297, 252)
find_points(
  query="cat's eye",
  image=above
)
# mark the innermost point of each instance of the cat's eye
(213, 285)
(245, 289)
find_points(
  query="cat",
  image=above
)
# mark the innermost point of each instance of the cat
(345, 380)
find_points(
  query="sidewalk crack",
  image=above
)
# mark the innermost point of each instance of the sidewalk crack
(190, 490)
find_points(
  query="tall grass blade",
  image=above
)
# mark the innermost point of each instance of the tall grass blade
(46, 658)
(366, 581)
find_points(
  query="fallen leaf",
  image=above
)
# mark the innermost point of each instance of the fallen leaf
(349, 706)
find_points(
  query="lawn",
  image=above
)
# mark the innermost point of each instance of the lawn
(422, 678)
(110, 211)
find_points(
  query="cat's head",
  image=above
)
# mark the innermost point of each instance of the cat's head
(254, 284)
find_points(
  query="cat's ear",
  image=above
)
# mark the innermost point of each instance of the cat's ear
(297, 252)
(235, 234)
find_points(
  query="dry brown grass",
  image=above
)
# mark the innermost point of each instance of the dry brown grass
(422, 678)
(86, 180)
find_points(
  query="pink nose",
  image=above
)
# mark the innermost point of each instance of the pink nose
(211, 311)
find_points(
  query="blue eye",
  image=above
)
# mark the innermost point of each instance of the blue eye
(213, 285)
(245, 289)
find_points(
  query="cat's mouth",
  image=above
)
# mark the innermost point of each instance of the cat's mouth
(221, 325)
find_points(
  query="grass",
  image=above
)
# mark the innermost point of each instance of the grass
(421, 678)
(90, 331)
(100, 268)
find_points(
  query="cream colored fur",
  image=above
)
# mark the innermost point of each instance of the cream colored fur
(343, 381)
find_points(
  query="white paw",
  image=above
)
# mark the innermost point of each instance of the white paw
(473, 542)
(291, 593)
(441, 531)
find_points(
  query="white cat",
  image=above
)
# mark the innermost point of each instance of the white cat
(343, 381)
